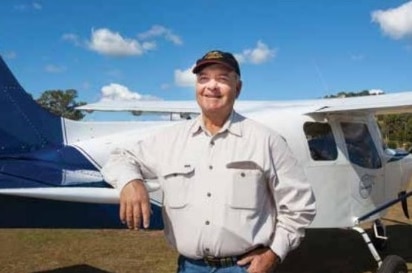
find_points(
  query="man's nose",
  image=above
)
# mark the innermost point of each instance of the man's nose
(212, 84)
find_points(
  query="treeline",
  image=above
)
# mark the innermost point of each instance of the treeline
(396, 129)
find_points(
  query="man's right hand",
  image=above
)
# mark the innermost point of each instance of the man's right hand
(135, 205)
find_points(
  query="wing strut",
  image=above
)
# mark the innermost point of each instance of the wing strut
(402, 197)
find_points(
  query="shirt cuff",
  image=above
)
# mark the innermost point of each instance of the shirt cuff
(281, 244)
(124, 179)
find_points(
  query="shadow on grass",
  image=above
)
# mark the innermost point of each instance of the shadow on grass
(81, 268)
(342, 251)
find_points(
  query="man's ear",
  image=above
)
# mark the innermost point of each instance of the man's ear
(238, 88)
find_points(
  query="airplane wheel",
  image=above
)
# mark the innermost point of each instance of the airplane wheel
(393, 264)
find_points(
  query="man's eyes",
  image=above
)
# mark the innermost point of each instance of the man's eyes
(204, 79)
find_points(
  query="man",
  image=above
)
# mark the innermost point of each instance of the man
(235, 198)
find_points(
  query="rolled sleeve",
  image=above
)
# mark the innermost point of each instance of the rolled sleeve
(120, 169)
(129, 163)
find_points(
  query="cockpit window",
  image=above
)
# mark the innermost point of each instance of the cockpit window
(321, 142)
(361, 148)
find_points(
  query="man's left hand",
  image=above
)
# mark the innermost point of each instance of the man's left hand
(262, 260)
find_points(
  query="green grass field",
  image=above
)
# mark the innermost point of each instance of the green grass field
(123, 251)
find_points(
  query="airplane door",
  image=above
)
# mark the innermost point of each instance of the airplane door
(366, 172)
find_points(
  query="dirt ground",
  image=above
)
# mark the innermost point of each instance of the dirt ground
(123, 251)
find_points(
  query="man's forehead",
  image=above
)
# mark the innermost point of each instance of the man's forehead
(215, 68)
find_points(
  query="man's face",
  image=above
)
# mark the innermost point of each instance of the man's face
(217, 89)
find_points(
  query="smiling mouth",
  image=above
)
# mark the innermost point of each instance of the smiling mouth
(213, 97)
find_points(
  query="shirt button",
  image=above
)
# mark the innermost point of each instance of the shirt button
(212, 143)
(209, 194)
(207, 223)
(207, 249)
(242, 174)
(210, 167)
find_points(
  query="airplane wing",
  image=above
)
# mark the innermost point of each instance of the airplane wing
(156, 107)
(377, 104)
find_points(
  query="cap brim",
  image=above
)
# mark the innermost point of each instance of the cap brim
(204, 63)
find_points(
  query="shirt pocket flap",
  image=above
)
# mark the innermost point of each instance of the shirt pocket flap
(177, 169)
(244, 165)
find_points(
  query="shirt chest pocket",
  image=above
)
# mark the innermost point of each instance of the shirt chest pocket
(247, 187)
(176, 184)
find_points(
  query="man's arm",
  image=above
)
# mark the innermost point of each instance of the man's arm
(125, 171)
(294, 199)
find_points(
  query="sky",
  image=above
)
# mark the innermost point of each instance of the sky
(145, 50)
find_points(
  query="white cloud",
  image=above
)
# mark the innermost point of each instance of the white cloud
(376, 92)
(149, 45)
(260, 54)
(51, 68)
(106, 42)
(185, 78)
(161, 31)
(395, 22)
(118, 92)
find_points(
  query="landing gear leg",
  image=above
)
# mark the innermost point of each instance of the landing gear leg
(391, 264)
(379, 238)
(370, 245)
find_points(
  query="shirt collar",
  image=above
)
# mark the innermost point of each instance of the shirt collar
(232, 125)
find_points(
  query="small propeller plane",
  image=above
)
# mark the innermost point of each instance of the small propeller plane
(49, 165)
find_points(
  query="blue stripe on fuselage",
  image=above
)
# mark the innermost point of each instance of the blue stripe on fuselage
(23, 212)
(46, 167)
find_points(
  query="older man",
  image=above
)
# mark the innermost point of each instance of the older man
(235, 198)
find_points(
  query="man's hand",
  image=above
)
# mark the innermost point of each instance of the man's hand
(262, 260)
(135, 205)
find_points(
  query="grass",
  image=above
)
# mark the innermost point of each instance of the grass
(123, 251)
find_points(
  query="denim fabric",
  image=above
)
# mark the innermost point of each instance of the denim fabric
(186, 265)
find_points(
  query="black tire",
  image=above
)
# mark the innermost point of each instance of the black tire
(393, 264)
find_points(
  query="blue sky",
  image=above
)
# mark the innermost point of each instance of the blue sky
(127, 49)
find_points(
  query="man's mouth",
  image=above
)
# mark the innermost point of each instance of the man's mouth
(213, 96)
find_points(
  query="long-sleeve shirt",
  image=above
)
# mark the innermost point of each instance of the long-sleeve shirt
(224, 194)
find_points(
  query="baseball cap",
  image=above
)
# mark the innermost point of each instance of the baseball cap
(217, 57)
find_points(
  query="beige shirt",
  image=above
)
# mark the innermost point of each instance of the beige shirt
(223, 194)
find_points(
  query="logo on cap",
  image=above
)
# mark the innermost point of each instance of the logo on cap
(213, 55)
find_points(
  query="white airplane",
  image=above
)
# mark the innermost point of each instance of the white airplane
(49, 166)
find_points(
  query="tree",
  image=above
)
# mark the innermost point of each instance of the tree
(61, 103)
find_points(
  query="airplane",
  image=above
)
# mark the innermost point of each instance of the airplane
(50, 166)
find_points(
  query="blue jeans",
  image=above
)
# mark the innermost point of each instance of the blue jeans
(186, 265)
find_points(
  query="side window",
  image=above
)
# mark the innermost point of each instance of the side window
(361, 148)
(321, 142)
